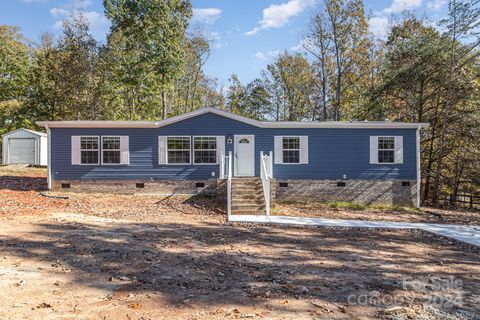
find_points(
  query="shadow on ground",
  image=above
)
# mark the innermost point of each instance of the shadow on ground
(220, 264)
(18, 183)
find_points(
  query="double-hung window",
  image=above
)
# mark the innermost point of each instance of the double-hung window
(111, 150)
(178, 150)
(89, 150)
(386, 149)
(291, 149)
(205, 150)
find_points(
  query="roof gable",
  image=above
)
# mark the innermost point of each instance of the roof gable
(41, 134)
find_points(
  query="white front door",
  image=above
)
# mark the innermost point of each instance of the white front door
(244, 155)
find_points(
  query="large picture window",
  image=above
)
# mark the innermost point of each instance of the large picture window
(178, 150)
(291, 149)
(386, 149)
(110, 150)
(89, 150)
(205, 150)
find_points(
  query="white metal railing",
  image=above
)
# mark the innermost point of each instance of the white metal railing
(266, 173)
(226, 173)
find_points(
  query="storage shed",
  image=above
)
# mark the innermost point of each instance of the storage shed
(24, 146)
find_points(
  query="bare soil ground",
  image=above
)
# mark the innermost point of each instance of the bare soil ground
(98, 256)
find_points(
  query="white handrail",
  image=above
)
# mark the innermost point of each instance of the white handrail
(222, 166)
(266, 175)
(229, 185)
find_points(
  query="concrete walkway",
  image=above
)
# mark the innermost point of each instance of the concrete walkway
(464, 233)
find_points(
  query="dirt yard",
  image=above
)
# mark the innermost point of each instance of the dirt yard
(96, 256)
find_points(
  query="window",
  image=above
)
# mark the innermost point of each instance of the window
(110, 150)
(178, 150)
(291, 149)
(205, 150)
(386, 149)
(89, 150)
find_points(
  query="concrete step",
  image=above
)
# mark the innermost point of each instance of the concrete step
(247, 196)
(248, 212)
(247, 206)
(251, 185)
(247, 188)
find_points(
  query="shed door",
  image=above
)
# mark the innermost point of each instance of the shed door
(21, 151)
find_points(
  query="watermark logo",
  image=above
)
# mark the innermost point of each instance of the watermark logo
(446, 292)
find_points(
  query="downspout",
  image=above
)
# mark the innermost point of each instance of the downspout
(49, 157)
(417, 204)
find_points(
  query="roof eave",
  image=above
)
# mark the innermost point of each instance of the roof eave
(96, 124)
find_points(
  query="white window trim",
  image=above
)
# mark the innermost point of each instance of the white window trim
(120, 150)
(394, 150)
(299, 150)
(193, 151)
(190, 150)
(98, 151)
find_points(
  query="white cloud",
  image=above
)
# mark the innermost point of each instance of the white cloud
(300, 46)
(35, 1)
(81, 4)
(206, 15)
(378, 26)
(59, 13)
(98, 23)
(402, 5)
(261, 56)
(436, 5)
(214, 36)
(278, 15)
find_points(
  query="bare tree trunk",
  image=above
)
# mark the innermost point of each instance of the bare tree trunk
(164, 105)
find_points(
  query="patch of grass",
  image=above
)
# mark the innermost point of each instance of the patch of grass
(345, 205)
(384, 207)
(395, 208)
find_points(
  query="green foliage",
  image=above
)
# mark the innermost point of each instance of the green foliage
(14, 75)
(290, 80)
(147, 42)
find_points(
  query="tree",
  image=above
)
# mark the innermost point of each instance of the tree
(290, 80)
(462, 23)
(147, 39)
(15, 71)
(236, 95)
(338, 39)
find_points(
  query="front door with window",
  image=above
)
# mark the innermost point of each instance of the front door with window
(244, 155)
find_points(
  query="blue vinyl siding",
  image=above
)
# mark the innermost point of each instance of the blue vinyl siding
(332, 152)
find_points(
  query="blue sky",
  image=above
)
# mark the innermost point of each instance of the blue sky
(246, 34)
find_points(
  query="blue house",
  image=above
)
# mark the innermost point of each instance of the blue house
(250, 162)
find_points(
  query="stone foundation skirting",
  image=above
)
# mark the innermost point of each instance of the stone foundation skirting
(162, 187)
(387, 192)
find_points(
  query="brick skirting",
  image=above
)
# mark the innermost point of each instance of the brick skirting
(389, 192)
(164, 187)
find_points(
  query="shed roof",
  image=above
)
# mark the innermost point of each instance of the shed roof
(253, 122)
(41, 134)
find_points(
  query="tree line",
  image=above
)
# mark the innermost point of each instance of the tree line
(151, 67)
